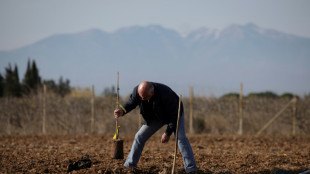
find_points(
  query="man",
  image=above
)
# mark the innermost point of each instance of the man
(158, 106)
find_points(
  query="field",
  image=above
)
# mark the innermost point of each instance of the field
(213, 153)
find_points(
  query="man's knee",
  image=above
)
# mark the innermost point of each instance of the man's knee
(139, 138)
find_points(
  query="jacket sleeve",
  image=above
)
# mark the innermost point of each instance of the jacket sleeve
(132, 102)
(172, 106)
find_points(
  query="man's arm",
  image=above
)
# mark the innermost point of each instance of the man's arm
(173, 113)
(132, 103)
(172, 107)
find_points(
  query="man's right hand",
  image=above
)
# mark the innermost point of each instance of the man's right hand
(118, 113)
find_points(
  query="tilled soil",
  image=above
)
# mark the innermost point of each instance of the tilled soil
(213, 153)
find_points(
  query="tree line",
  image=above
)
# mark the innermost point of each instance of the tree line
(11, 86)
(266, 94)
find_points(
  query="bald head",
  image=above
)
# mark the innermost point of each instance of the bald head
(146, 90)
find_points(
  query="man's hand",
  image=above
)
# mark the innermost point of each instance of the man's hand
(164, 138)
(118, 113)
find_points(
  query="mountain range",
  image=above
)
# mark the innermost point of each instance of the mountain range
(213, 61)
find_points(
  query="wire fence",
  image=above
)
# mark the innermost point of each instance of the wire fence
(52, 114)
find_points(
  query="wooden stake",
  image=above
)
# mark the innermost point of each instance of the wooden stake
(191, 128)
(240, 110)
(44, 110)
(294, 115)
(117, 151)
(8, 115)
(176, 135)
(92, 126)
(117, 103)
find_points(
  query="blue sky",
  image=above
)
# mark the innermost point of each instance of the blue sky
(25, 22)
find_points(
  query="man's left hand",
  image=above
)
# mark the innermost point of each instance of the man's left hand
(164, 138)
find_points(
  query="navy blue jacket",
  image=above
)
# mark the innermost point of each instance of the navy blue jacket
(163, 106)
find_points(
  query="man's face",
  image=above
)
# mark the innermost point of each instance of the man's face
(146, 95)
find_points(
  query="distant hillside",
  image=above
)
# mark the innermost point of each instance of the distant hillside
(214, 61)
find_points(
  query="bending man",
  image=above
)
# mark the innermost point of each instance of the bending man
(158, 106)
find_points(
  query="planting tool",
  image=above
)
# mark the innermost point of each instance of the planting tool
(118, 152)
(176, 135)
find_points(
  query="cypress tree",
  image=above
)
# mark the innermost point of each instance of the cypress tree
(12, 86)
(17, 86)
(31, 79)
(27, 81)
(35, 75)
(8, 80)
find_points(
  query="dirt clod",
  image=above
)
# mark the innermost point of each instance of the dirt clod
(83, 163)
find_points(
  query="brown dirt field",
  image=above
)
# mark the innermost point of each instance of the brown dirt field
(213, 153)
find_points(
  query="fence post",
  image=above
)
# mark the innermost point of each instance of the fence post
(92, 123)
(191, 128)
(44, 110)
(8, 115)
(240, 110)
(294, 115)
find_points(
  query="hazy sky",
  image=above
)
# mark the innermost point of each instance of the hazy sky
(23, 22)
